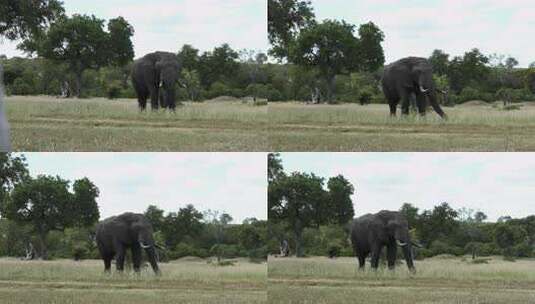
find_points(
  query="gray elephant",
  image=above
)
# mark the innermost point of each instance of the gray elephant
(371, 232)
(407, 76)
(117, 234)
(155, 75)
(5, 145)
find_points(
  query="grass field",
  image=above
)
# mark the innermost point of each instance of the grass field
(42, 123)
(438, 280)
(58, 282)
(351, 127)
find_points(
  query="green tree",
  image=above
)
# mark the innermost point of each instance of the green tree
(121, 47)
(44, 203)
(22, 18)
(81, 42)
(469, 70)
(298, 201)
(192, 83)
(440, 62)
(411, 213)
(331, 47)
(285, 19)
(13, 170)
(371, 56)
(84, 203)
(155, 216)
(275, 168)
(184, 225)
(189, 57)
(437, 224)
(340, 192)
(218, 65)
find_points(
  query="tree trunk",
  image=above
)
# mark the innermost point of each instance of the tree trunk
(331, 84)
(5, 145)
(298, 231)
(79, 83)
(42, 244)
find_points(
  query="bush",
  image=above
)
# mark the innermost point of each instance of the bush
(334, 250)
(113, 91)
(184, 249)
(469, 93)
(80, 252)
(20, 87)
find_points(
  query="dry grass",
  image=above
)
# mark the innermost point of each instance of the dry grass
(85, 282)
(351, 127)
(41, 123)
(320, 280)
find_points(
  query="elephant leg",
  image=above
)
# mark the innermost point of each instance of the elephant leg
(362, 261)
(107, 263)
(136, 257)
(393, 107)
(405, 103)
(421, 103)
(376, 254)
(154, 98)
(142, 102)
(119, 258)
(391, 255)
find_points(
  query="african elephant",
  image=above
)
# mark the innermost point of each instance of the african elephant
(371, 232)
(4, 126)
(156, 75)
(117, 234)
(411, 75)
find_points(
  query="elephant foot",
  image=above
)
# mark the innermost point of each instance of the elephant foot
(412, 270)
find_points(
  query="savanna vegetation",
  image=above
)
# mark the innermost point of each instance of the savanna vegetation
(465, 258)
(73, 93)
(488, 96)
(48, 217)
(441, 279)
(314, 217)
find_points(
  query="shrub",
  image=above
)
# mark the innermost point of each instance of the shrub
(113, 90)
(79, 252)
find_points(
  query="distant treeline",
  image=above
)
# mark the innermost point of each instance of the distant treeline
(50, 217)
(313, 217)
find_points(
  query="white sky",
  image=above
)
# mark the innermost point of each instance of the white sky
(417, 27)
(496, 183)
(166, 25)
(235, 183)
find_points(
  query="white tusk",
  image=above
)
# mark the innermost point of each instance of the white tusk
(423, 90)
(144, 246)
(401, 244)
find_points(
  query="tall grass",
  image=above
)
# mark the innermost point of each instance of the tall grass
(187, 282)
(41, 123)
(448, 280)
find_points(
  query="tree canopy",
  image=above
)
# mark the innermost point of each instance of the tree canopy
(23, 18)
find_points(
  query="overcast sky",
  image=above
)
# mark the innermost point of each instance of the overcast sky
(168, 24)
(231, 182)
(495, 183)
(417, 27)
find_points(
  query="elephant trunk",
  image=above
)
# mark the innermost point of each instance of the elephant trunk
(407, 253)
(152, 257)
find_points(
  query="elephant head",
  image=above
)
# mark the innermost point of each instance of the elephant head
(423, 83)
(398, 230)
(169, 71)
(143, 231)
